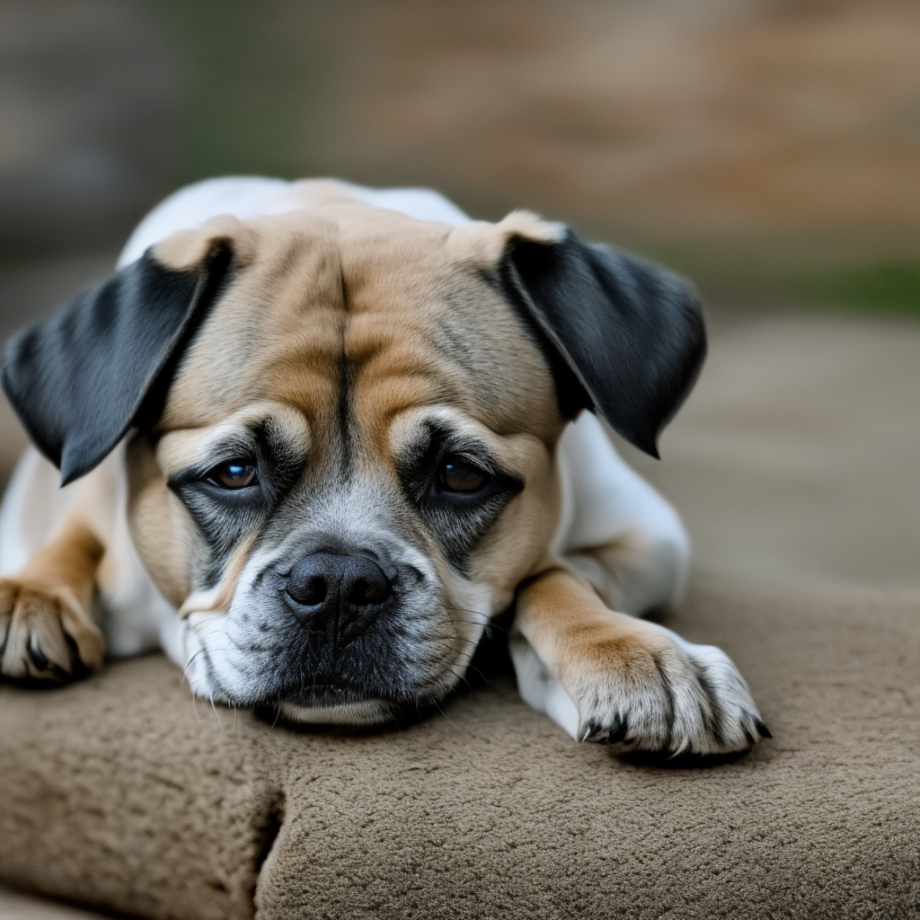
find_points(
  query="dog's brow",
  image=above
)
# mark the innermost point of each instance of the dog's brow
(229, 445)
(268, 436)
(432, 439)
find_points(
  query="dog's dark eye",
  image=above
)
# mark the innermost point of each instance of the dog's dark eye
(458, 475)
(235, 474)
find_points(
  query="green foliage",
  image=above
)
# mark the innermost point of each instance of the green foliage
(253, 85)
(883, 286)
(807, 276)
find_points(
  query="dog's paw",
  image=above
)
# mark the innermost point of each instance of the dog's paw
(666, 695)
(45, 635)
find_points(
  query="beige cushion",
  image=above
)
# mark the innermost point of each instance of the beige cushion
(123, 793)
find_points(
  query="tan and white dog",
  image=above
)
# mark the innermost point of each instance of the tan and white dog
(313, 437)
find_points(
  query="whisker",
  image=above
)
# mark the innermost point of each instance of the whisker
(189, 663)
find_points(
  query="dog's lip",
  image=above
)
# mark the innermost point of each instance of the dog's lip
(333, 687)
(325, 688)
(370, 711)
(366, 713)
(329, 693)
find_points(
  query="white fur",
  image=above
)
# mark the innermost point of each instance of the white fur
(135, 616)
(540, 689)
(250, 196)
(606, 501)
(685, 729)
(603, 499)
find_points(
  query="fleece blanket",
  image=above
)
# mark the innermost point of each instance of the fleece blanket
(794, 465)
(119, 792)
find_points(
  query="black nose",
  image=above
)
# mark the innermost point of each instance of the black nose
(343, 593)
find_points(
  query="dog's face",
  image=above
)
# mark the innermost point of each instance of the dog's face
(345, 421)
(340, 467)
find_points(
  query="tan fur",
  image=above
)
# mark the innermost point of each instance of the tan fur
(346, 296)
(157, 521)
(484, 244)
(629, 680)
(49, 600)
(578, 638)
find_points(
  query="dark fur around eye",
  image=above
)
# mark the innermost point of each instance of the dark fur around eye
(228, 511)
(224, 515)
(275, 466)
(459, 518)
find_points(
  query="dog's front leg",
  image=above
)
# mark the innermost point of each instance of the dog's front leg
(46, 625)
(606, 676)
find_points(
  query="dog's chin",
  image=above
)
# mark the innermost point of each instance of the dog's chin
(359, 712)
(353, 705)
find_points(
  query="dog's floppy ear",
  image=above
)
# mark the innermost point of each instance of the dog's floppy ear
(81, 378)
(630, 333)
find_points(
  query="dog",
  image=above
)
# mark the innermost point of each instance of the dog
(314, 437)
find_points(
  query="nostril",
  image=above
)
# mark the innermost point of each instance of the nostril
(368, 590)
(309, 581)
(309, 591)
(364, 582)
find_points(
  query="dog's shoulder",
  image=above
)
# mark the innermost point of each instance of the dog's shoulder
(614, 521)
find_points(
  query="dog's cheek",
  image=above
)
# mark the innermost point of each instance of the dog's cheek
(517, 544)
(163, 533)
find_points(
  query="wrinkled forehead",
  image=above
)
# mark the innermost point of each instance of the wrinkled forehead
(365, 313)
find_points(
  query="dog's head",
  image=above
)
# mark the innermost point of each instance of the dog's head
(343, 425)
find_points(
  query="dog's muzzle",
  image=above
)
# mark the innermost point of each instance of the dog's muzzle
(336, 631)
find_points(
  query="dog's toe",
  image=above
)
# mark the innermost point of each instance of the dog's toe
(44, 635)
(676, 699)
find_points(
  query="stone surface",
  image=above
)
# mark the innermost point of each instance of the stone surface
(795, 459)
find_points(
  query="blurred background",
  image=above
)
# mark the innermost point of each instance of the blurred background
(770, 149)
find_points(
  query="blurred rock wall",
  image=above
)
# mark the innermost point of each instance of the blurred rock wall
(89, 91)
(766, 124)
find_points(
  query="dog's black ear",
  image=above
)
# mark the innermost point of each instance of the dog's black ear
(81, 378)
(630, 336)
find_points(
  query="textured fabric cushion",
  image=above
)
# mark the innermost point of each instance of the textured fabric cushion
(123, 793)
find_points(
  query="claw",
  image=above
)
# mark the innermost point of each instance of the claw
(40, 618)
(38, 657)
(77, 666)
(594, 732)
(618, 730)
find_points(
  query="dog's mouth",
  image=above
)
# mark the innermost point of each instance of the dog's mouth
(328, 694)
(262, 656)
(338, 702)
(338, 712)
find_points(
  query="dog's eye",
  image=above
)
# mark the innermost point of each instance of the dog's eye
(235, 474)
(458, 475)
